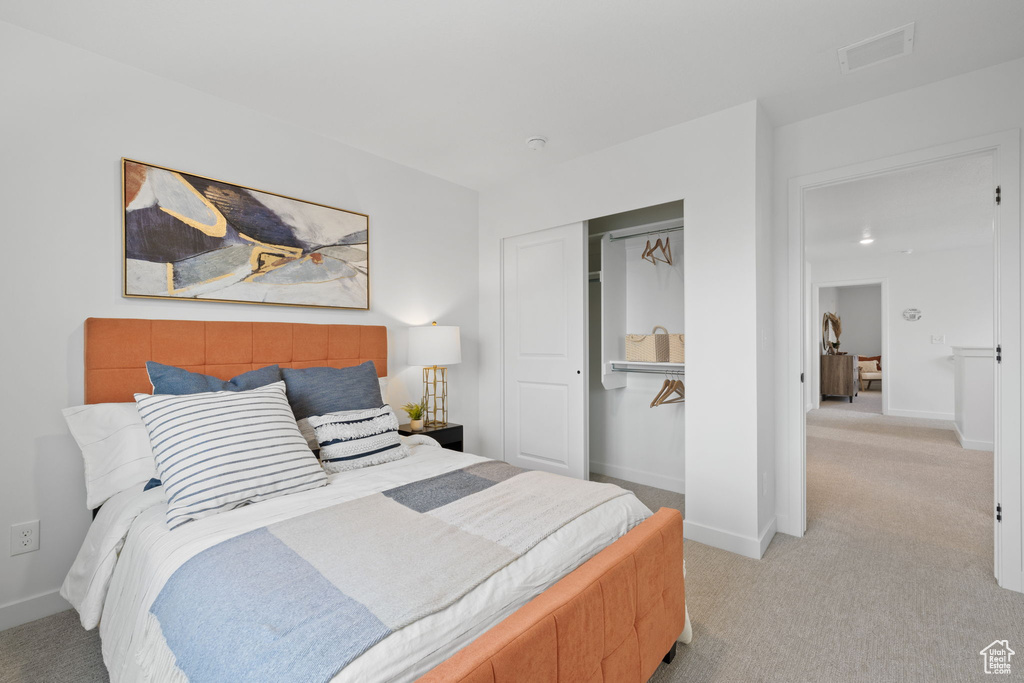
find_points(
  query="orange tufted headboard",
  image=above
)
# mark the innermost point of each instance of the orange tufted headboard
(116, 350)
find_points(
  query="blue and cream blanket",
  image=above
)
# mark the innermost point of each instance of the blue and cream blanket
(298, 600)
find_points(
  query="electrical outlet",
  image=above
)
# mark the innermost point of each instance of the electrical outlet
(938, 339)
(24, 537)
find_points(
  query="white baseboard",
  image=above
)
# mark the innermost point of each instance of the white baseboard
(660, 481)
(782, 524)
(971, 443)
(923, 414)
(1010, 583)
(29, 609)
(748, 546)
(767, 534)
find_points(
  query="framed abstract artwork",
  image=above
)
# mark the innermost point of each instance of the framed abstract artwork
(191, 237)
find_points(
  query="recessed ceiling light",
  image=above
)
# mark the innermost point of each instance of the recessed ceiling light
(867, 240)
(537, 142)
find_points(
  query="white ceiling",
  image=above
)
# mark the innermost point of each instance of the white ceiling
(943, 205)
(454, 87)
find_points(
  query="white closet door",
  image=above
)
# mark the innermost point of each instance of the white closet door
(544, 278)
(613, 310)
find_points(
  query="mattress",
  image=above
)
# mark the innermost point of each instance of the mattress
(130, 554)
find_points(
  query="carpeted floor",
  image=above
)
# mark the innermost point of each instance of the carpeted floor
(866, 401)
(892, 582)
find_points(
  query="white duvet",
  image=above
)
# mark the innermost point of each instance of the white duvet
(129, 554)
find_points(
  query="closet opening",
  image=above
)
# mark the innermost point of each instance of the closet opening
(636, 340)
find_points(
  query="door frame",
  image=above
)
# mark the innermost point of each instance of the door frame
(1009, 487)
(815, 315)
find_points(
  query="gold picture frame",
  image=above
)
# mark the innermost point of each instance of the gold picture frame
(190, 237)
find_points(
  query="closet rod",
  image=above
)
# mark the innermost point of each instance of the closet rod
(652, 368)
(623, 234)
(652, 372)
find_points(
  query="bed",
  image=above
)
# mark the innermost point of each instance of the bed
(600, 598)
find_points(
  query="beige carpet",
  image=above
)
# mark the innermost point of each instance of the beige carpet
(893, 581)
(866, 401)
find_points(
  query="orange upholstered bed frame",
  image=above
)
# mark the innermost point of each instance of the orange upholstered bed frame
(612, 620)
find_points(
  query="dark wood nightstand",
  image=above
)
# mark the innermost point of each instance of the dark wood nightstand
(449, 437)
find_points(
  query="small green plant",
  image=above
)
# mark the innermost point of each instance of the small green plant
(415, 410)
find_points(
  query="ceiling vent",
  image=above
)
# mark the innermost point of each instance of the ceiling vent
(898, 42)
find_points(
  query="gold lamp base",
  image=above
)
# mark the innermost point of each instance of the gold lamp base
(435, 396)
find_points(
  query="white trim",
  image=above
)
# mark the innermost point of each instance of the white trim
(971, 444)
(767, 535)
(1009, 251)
(660, 481)
(781, 522)
(922, 414)
(748, 546)
(31, 608)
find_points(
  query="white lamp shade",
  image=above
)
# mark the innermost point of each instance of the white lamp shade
(434, 345)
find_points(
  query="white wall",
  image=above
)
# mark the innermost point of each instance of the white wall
(828, 301)
(860, 309)
(974, 104)
(710, 163)
(629, 439)
(68, 118)
(953, 290)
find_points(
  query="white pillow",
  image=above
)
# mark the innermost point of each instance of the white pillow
(115, 448)
(309, 433)
(219, 450)
(350, 439)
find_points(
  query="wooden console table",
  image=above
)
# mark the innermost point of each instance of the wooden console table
(839, 375)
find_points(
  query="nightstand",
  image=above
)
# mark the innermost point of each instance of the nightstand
(449, 437)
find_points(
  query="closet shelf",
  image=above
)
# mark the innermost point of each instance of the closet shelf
(646, 366)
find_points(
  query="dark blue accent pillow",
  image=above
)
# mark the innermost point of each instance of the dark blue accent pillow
(152, 484)
(167, 379)
(318, 391)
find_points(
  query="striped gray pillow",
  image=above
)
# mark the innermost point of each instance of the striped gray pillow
(351, 439)
(219, 450)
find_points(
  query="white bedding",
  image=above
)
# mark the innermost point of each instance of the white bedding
(122, 587)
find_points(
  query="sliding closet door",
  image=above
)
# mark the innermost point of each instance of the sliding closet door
(544, 279)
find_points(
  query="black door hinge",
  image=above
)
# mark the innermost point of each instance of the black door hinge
(999, 353)
(999, 195)
(999, 512)
(801, 378)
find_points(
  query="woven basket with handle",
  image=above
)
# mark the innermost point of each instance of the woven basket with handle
(677, 348)
(648, 348)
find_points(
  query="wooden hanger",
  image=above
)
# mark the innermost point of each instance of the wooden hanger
(667, 250)
(672, 391)
(666, 387)
(648, 253)
(652, 253)
(677, 393)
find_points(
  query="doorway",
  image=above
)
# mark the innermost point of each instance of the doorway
(1002, 257)
(862, 308)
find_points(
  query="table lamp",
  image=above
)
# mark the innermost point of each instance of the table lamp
(435, 346)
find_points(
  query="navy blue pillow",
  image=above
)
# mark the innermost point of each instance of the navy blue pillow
(168, 379)
(318, 391)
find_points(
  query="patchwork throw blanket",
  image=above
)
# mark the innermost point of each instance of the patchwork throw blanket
(298, 600)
